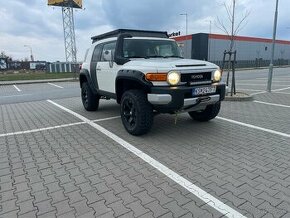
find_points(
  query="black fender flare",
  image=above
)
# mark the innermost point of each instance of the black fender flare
(127, 79)
(85, 76)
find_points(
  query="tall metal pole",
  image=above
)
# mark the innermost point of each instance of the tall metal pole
(209, 42)
(186, 30)
(31, 54)
(233, 26)
(186, 24)
(69, 34)
(270, 75)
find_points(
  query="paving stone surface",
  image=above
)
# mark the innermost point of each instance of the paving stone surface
(32, 115)
(77, 171)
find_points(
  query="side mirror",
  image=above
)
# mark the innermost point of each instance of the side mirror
(108, 55)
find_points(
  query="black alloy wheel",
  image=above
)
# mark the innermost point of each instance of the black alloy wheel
(136, 112)
(89, 99)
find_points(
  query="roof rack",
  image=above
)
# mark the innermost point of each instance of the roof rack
(140, 33)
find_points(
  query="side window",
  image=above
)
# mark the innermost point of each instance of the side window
(97, 53)
(108, 51)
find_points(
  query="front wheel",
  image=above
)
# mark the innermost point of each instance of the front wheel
(136, 112)
(210, 112)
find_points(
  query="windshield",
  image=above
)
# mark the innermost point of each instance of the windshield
(150, 48)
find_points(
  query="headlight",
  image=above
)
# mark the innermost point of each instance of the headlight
(173, 78)
(217, 76)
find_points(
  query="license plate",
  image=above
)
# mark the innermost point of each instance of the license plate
(203, 90)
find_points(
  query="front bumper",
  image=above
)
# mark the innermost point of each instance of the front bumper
(174, 99)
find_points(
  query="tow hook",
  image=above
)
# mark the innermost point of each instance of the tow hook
(203, 99)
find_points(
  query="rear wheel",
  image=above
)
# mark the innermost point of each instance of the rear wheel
(136, 112)
(89, 99)
(210, 112)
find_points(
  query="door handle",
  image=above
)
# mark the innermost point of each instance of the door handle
(98, 68)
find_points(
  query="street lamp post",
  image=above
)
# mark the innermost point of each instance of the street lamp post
(186, 30)
(208, 56)
(31, 54)
(270, 75)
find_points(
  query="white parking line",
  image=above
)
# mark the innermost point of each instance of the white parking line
(12, 96)
(276, 77)
(258, 93)
(278, 90)
(282, 93)
(261, 78)
(52, 84)
(198, 192)
(274, 81)
(272, 104)
(254, 90)
(104, 119)
(40, 129)
(255, 127)
(283, 77)
(17, 88)
(252, 84)
(54, 127)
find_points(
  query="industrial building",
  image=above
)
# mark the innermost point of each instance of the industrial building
(251, 52)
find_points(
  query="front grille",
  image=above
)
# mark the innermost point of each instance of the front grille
(197, 78)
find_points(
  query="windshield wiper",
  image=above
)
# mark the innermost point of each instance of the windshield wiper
(154, 56)
(136, 56)
(173, 56)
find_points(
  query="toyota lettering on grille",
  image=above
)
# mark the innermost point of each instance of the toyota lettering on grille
(197, 76)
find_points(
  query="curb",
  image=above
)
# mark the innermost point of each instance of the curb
(246, 97)
(3, 83)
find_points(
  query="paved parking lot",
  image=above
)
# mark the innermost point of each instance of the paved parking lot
(58, 160)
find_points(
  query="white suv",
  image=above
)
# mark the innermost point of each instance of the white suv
(145, 72)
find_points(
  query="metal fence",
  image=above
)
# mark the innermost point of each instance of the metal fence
(63, 67)
(256, 63)
(55, 67)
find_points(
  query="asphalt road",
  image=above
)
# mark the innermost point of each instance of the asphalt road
(39, 91)
(58, 160)
(42, 91)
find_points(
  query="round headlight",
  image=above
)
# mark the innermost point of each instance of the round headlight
(173, 78)
(217, 76)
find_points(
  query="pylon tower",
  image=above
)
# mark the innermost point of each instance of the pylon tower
(68, 26)
(69, 34)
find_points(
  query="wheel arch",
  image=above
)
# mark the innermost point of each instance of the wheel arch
(130, 79)
(85, 77)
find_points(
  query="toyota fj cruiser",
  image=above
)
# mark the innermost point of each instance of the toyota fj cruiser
(146, 74)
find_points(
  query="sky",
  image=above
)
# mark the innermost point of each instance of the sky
(34, 23)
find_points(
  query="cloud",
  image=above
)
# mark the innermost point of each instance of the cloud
(34, 23)
(150, 14)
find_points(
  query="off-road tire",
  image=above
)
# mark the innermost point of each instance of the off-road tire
(89, 99)
(210, 112)
(136, 112)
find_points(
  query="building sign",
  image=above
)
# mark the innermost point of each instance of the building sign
(66, 3)
(37, 65)
(174, 34)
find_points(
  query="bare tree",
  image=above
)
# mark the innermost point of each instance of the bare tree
(3, 55)
(232, 27)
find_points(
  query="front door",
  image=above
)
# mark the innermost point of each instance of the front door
(106, 69)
